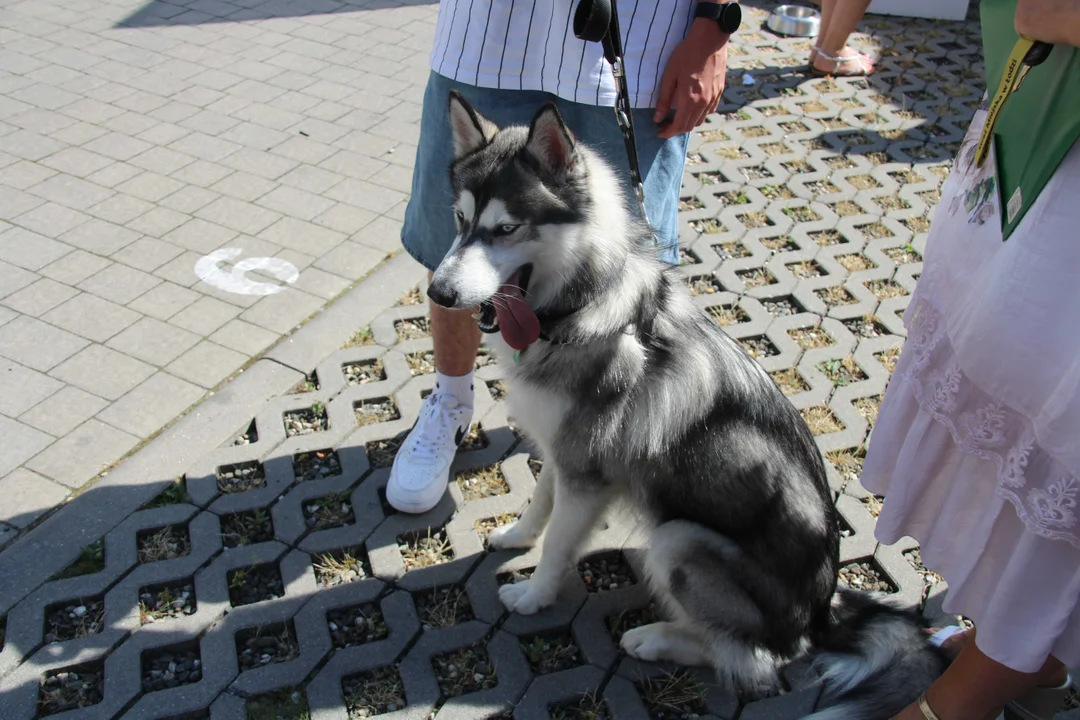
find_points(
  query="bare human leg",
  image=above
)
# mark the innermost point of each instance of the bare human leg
(838, 20)
(975, 687)
(456, 338)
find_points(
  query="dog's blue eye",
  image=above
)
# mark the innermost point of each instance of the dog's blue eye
(506, 229)
(460, 216)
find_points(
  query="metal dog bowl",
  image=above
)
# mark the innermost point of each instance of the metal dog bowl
(795, 20)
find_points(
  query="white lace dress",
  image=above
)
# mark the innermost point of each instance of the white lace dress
(977, 444)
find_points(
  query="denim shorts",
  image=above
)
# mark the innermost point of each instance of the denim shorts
(429, 230)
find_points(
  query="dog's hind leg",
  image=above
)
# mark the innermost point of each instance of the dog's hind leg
(524, 532)
(695, 572)
(575, 512)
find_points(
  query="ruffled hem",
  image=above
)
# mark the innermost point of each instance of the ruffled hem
(1043, 491)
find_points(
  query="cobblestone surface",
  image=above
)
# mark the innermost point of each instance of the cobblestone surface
(274, 581)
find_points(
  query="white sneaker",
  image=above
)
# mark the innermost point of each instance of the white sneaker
(421, 468)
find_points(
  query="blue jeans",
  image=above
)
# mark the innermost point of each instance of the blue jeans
(429, 228)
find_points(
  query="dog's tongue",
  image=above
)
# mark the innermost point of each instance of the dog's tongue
(519, 325)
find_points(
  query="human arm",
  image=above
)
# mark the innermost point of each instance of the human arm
(693, 80)
(1051, 21)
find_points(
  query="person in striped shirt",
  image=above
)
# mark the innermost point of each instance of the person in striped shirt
(508, 58)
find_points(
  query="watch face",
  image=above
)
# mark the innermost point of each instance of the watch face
(731, 17)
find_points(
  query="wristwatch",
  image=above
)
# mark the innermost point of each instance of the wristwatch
(727, 14)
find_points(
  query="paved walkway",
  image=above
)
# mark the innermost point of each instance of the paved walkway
(139, 139)
(244, 563)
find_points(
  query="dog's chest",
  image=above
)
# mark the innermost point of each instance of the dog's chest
(539, 412)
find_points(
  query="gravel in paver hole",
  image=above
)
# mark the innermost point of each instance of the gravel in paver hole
(464, 671)
(284, 704)
(412, 329)
(821, 420)
(316, 464)
(789, 381)
(551, 652)
(372, 693)
(306, 421)
(866, 326)
(251, 435)
(811, 338)
(485, 526)
(71, 688)
(675, 696)
(687, 257)
(361, 338)
(703, 285)
(425, 548)
(443, 607)
(929, 577)
(356, 625)
(382, 452)
(329, 511)
(246, 528)
(310, 383)
(338, 567)
(842, 371)
(885, 289)
(164, 543)
(619, 623)
(364, 372)
(172, 666)
(241, 477)
(806, 269)
(162, 602)
(91, 560)
(865, 575)
(782, 306)
(606, 571)
(497, 389)
(482, 482)
(375, 410)
(266, 644)
(73, 619)
(848, 462)
(758, 346)
(585, 707)
(174, 494)
(421, 363)
(255, 584)
(413, 297)
(725, 315)
(835, 295)
(514, 576)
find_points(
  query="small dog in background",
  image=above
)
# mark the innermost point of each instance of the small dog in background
(632, 393)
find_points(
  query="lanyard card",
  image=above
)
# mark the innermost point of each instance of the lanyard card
(1034, 116)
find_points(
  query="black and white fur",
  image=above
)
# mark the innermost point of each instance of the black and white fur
(635, 394)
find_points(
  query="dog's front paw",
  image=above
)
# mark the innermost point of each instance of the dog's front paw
(510, 537)
(644, 643)
(525, 597)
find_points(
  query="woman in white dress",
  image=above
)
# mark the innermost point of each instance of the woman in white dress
(977, 444)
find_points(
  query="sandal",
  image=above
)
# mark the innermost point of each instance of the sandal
(865, 64)
(1040, 703)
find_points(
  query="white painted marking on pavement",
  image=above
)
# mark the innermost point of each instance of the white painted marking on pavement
(208, 268)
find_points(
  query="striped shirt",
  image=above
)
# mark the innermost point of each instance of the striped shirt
(530, 45)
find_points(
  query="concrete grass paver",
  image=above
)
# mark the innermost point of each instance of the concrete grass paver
(136, 138)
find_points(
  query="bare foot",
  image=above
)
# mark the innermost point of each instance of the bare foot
(954, 644)
(846, 63)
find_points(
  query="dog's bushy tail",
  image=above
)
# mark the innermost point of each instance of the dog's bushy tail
(874, 658)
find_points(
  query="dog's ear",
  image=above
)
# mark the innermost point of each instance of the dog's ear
(471, 130)
(550, 142)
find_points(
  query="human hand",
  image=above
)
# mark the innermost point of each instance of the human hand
(1050, 21)
(693, 80)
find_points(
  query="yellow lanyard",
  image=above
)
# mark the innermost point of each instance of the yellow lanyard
(1015, 70)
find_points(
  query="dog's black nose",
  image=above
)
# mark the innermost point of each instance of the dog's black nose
(442, 295)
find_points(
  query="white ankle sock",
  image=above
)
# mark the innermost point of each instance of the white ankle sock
(461, 387)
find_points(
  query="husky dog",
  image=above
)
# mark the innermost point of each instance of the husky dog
(632, 393)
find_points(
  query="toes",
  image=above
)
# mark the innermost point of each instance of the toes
(523, 598)
(508, 537)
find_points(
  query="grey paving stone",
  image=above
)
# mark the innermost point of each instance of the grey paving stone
(244, 337)
(70, 191)
(153, 341)
(283, 311)
(164, 301)
(23, 174)
(205, 315)
(200, 236)
(80, 455)
(92, 317)
(40, 297)
(158, 221)
(74, 267)
(207, 364)
(29, 250)
(21, 388)
(14, 278)
(63, 411)
(76, 161)
(151, 405)
(21, 442)
(37, 344)
(119, 283)
(27, 495)
(102, 371)
(350, 260)
(99, 237)
(147, 254)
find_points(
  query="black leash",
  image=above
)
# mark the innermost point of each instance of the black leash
(598, 21)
